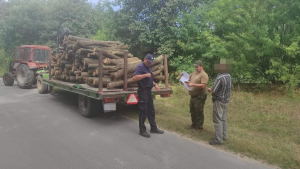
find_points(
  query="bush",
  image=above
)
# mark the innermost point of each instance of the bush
(4, 62)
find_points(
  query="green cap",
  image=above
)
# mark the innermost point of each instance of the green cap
(198, 63)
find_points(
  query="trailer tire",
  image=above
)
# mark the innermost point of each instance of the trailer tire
(88, 107)
(25, 76)
(8, 79)
(42, 88)
(50, 88)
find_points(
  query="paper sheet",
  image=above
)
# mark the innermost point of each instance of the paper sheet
(185, 78)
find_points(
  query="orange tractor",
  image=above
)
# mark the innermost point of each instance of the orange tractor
(29, 59)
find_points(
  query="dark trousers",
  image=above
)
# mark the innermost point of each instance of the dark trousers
(197, 110)
(146, 109)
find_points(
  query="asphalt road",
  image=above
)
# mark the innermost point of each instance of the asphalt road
(47, 132)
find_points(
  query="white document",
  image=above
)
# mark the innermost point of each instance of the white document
(185, 78)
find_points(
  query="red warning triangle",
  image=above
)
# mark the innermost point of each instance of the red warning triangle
(132, 99)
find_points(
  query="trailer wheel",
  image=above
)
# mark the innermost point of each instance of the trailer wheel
(8, 79)
(50, 88)
(42, 88)
(25, 76)
(89, 107)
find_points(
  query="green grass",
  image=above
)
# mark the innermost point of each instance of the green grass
(261, 125)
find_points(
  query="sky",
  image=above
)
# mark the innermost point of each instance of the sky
(94, 1)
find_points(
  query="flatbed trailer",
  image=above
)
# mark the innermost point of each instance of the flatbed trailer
(92, 100)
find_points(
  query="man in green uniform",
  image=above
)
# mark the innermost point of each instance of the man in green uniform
(198, 82)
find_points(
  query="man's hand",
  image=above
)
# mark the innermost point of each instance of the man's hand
(148, 75)
(156, 87)
(191, 84)
(209, 90)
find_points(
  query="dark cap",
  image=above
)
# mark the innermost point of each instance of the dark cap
(150, 58)
(198, 63)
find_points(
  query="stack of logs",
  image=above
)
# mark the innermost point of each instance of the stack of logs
(76, 61)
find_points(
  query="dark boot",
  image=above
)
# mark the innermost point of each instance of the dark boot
(157, 131)
(215, 143)
(145, 134)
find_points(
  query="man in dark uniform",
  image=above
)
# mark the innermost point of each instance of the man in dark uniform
(144, 76)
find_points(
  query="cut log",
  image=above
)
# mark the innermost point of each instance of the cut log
(84, 74)
(159, 77)
(63, 62)
(105, 81)
(158, 60)
(120, 73)
(68, 66)
(106, 53)
(84, 51)
(161, 68)
(72, 78)
(86, 61)
(119, 83)
(77, 72)
(75, 38)
(135, 62)
(108, 61)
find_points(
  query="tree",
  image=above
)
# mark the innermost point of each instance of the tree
(36, 21)
(147, 25)
(264, 33)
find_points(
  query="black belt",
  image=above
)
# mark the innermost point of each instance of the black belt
(197, 95)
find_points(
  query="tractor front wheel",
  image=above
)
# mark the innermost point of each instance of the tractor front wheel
(8, 79)
(25, 76)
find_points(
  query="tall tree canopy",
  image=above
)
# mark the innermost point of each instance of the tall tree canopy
(261, 36)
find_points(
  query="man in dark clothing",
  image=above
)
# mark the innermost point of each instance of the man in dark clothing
(221, 96)
(143, 74)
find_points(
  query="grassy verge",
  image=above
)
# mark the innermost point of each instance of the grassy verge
(264, 126)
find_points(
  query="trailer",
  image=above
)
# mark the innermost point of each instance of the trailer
(91, 100)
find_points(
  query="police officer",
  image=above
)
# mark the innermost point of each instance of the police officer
(198, 82)
(144, 76)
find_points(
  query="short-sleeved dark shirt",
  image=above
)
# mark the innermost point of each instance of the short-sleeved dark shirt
(143, 69)
(222, 88)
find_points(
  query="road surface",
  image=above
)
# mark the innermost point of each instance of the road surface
(47, 132)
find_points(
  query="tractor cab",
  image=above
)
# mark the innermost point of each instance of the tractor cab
(33, 55)
(28, 60)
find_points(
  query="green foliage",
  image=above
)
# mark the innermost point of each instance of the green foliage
(36, 21)
(261, 36)
(105, 18)
(4, 62)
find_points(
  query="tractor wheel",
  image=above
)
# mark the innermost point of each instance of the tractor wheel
(42, 88)
(8, 79)
(25, 76)
(89, 107)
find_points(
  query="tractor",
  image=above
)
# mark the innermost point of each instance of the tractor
(29, 59)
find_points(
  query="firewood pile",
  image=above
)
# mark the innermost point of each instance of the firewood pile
(77, 61)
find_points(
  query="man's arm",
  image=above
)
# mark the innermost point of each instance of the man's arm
(215, 87)
(156, 86)
(140, 77)
(202, 85)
